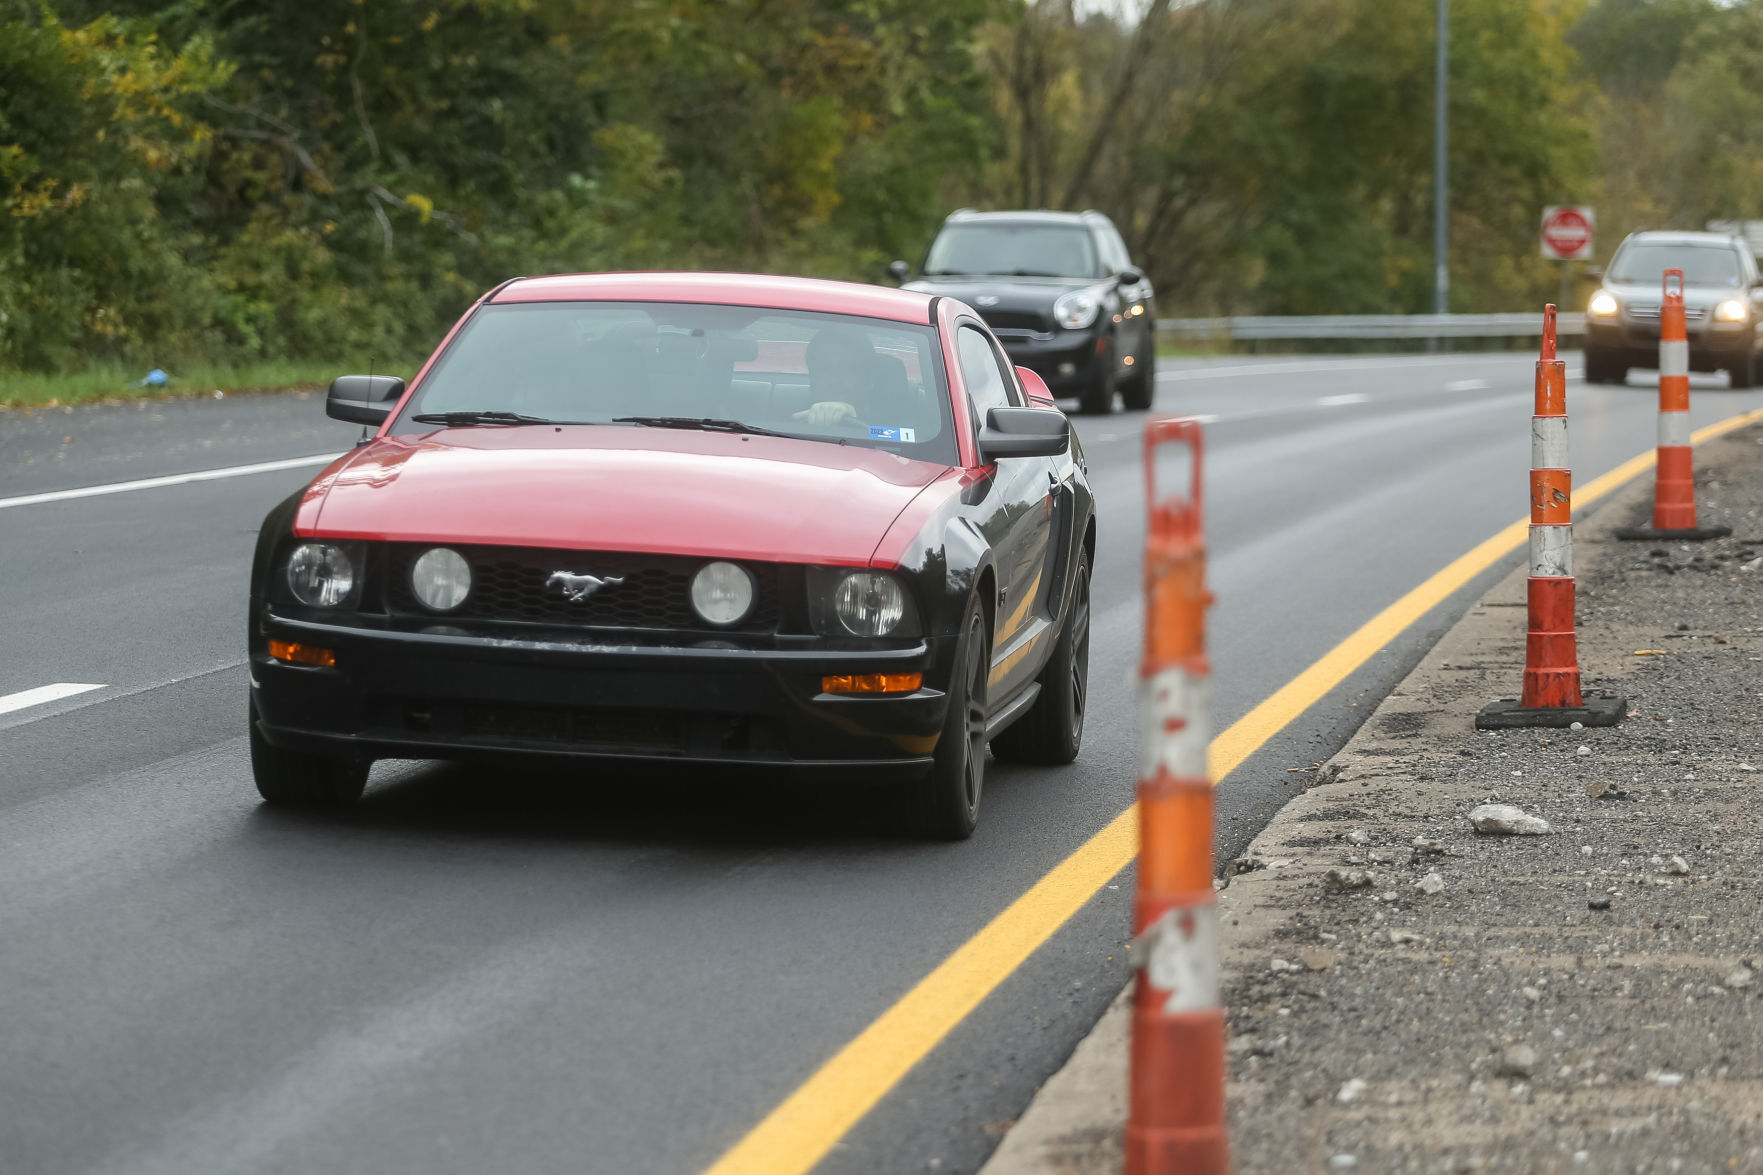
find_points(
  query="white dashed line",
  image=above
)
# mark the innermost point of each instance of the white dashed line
(1467, 385)
(1337, 401)
(43, 694)
(176, 479)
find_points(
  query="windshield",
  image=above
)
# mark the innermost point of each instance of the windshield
(1644, 264)
(828, 377)
(998, 248)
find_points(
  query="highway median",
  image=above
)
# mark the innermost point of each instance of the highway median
(1411, 988)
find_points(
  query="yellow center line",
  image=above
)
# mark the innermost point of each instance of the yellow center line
(809, 1123)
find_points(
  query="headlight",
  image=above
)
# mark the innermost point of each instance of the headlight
(1076, 310)
(869, 603)
(1602, 305)
(1731, 310)
(441, 579)
(722, 593)
(320, 575)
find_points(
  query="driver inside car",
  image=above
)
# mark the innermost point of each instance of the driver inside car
(841, 368)
(853, 385)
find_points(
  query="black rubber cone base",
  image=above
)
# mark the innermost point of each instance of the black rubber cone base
(1647, 534)
(1600, 709)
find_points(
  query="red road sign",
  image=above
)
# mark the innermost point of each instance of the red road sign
(1567, 232)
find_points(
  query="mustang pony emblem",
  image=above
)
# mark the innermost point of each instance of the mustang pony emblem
(576, 588)
(986, 300)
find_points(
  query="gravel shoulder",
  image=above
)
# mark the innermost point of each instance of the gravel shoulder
(1590, 999)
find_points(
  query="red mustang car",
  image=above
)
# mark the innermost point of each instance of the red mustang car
(706, 517)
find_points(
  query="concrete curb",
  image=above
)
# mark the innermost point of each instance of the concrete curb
(1387, 945)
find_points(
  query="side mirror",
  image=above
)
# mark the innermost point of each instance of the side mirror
(1024, 432)
(1594, 273)
(1131, 275)
(899, 270)
(1036, 388)
(363, 399)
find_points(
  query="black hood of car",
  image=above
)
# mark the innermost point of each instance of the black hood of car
(1010, 302)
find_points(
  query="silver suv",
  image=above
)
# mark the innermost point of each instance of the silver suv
(1722, 298)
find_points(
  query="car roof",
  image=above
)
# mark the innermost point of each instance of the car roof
(1028, 216)
(1682, 237)
(722, 289)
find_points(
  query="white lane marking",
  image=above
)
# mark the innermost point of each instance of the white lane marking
(1186, 373)
(1337, 401)
(1467, 385)
(176, 479)
(43, 694)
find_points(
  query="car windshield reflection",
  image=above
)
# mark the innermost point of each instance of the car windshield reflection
(824, 377)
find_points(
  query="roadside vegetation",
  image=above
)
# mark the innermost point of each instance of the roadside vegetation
(209, 187)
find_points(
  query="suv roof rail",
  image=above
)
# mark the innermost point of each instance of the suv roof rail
(961, 212)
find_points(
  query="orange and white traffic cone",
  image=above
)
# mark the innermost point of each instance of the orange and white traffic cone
(1175, 1118)
(1674, 482)
(1551, 695)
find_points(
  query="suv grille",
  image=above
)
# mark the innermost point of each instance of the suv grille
(1690, 313)
(509, 583)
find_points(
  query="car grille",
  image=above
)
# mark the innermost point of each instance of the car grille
(1690, 313)
(510, 584)
(1029, 320)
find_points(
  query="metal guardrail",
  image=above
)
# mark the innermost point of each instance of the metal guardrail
(1369, 326)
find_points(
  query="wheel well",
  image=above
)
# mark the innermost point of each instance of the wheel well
(988, 598)
(1090, 539)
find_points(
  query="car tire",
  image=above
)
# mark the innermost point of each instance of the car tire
(945, 803)
(300, 779)
(1052, 731)
(1138, 393)
(1744, 372)
(1098, 398)
(1604, 368)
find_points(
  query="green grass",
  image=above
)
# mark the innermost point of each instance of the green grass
(99, 384)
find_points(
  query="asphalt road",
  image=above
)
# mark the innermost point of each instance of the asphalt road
(619, 973)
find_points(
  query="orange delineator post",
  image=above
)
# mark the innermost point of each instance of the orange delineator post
(1175, 1116)
(1551, 695)
(1551, 655)
(1674, 479)
(1674, 488)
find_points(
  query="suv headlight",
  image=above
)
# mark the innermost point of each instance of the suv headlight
(320, 575)
(1731, 310)
(1076, 310)
(1603, 305)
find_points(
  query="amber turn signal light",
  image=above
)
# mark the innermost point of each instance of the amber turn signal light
(872, 683)
(299, 654)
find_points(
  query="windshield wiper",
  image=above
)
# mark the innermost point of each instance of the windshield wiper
(467, 419)
(702, 423)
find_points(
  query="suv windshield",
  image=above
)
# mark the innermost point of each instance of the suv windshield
(1643, 263)
(1000, 248)
(825, 377)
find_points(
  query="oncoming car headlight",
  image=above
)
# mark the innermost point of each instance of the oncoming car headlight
(869, 603)
(320, 574)
(1731, 310)
(1603, 305)
(1076, 310)
(722, 593)
(441, 579)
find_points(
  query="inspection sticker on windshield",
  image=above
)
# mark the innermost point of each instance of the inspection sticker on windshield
(878, 433)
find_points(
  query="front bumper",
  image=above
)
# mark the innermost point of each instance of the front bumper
(1636, 341)
(427, 695)
(1065, 359)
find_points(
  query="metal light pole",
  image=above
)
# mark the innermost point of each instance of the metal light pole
(1441, 270)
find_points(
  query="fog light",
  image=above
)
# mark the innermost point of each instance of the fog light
(871, 683)
(298, 654)
(1068, 369)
